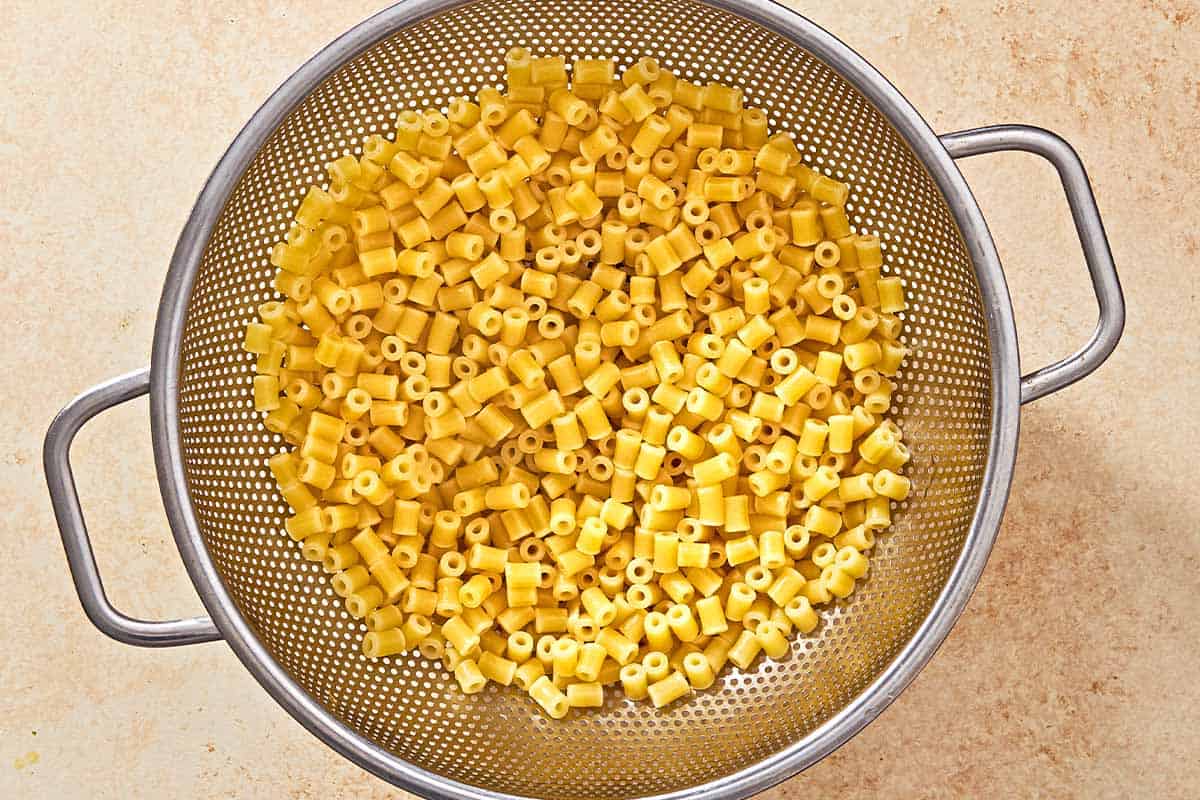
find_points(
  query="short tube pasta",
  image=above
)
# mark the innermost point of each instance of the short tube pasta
(584, 385)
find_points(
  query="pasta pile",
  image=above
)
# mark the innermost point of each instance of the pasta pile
(586, 384)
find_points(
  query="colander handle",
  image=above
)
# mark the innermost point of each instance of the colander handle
(1088, 226)
(56, 459)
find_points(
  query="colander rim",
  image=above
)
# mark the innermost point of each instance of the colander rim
(165, 428)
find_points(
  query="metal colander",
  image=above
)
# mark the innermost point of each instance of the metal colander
(405, 719)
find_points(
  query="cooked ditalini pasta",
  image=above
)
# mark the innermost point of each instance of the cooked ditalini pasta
(584, 383)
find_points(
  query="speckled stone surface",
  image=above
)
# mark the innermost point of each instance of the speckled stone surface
(1073, 672)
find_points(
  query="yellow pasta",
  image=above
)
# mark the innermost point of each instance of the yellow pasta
(669, 689)
(595, 359)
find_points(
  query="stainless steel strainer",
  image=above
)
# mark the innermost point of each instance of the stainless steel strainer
(958, 403)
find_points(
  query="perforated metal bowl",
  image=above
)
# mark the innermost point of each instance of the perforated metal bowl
(958, 403)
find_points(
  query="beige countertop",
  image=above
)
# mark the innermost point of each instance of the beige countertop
(1073, 672)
